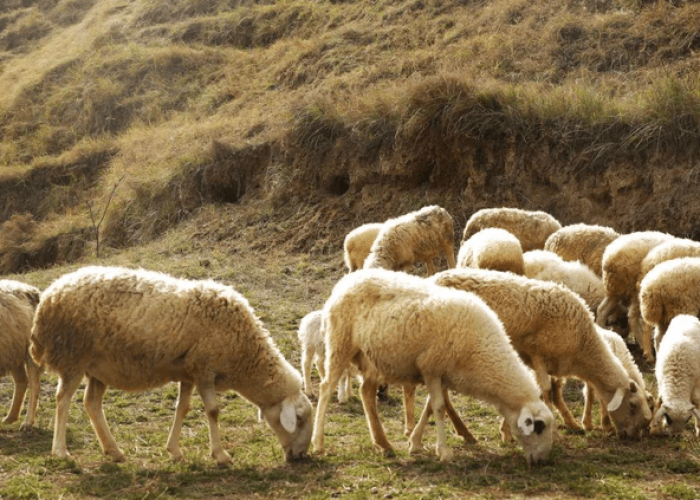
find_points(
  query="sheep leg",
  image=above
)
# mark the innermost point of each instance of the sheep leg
(414, 440)
(434, 386)
(67, 385)
(414, 443)
(369, 402)
(604, 310)
(634, 316)
(430, 266)
(504, 429)
(211, 407)
(94, 392)
(344, 387)
(181, 409)
(19, 376)
(647, 342)
(460, 428)
(34, 375)
(306, 360)
(409, 408)
(324, 397)
(589, 399)
(560, 404)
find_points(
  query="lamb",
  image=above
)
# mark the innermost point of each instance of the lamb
(622, 261)
(419, 235)
(678, 375)
(619, 349)
(553, 331)
(532, 228)
(668, 290)
(17, 303)
(582, 242)
(358, 243)
(313, 350)
(448, 340)
(492, 248)
(137, 329)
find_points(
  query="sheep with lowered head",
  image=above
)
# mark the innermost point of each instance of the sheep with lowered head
(405, 330)
(678, 376)
(554, 332)
(136, 329)
(419, 235)
(532, 228)
(17, 303)
(582, 242)
(668, 290)
(622, 265)
(492, 248)
(358, 244)
(313, 350)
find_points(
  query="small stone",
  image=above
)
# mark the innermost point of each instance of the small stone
(374, 490)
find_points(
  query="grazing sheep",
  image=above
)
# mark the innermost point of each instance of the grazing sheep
(532, 228)
(619, 349)
(358, 243)
(582, 242)
(622, 264)
(678, 376)
(419, 235)
(492, 248)
(553, 331)
(668, 290)
(136, 329)
(313, 350)
(577, 277)
(403, 329)
(17, 304)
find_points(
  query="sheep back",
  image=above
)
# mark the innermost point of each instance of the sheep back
(17, 303)
(492, 248)
(532, 228)
(358, 244)
(582, 242)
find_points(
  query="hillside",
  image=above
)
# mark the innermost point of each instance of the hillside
(240, 140)
(147, 111)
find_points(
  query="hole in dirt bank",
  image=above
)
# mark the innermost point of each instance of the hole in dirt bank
(338, 185)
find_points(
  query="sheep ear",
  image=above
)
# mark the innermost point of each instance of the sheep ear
(616, 401)
(288, 416)
(526, 422)
(633, 387)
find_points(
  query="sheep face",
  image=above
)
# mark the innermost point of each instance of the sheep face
(532, 427)
(675, 416)
(291, 419)
(629, 411)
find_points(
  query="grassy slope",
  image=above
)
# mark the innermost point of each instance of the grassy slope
(132, 94)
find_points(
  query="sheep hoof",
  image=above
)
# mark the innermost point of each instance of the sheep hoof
(389, 453)
(446, 455)
(9, 419)
(26, 427)
(223, 459)
(176, 456)
(116, 455)
(414, 447)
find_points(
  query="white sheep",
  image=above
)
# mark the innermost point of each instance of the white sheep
(553, 331)
(532, 228)
(678, 376)
(619, 348)
(403, 329)
(582, 242)
(668, 290)
(313, 351)
(622, 264)
(492, 248)
(415, 236)
(358, 243)
(17, 303)
(136, 329)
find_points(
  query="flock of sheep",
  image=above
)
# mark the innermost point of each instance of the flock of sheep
(526, 304)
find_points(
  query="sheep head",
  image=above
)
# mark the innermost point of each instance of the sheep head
(629, 410)
(532, 427)
(292, 421)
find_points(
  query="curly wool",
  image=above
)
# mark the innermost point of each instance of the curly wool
(582, 242)
(492, 248)
(532, 228)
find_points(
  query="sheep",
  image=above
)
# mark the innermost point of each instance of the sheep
(577, 277)
(582, 242)
(678, 375)
(17, 303)
(622, 262)
(138, 329)
(553, 331)
(402, 328)
(532, 228)
(619, 349)
(492, 248)
(668, 290)
(419, 235)
(313, 350)
(358, 243)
